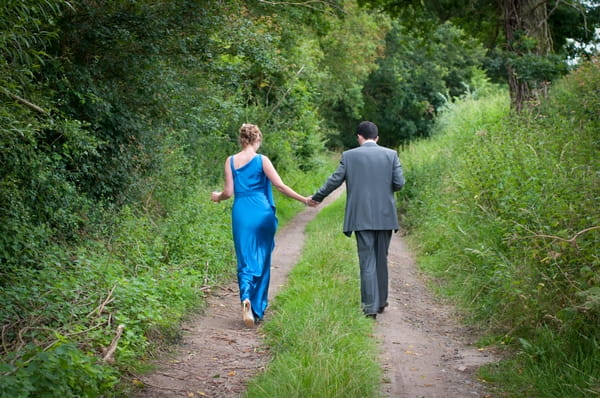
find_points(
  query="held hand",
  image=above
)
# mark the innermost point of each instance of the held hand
(312, 203)
(214, 196)
(307, 201)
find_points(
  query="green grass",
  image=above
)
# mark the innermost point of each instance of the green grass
(503, 210)
(322, 345)
(546, 366)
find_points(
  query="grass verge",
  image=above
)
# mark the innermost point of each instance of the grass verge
(502, 209)
(322, 346)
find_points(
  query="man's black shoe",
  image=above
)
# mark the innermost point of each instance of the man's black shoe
(382, 308)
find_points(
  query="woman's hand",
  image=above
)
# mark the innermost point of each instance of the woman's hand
(215, 196)
(312, 203)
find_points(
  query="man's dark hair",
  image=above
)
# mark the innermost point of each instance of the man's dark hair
(367, 130)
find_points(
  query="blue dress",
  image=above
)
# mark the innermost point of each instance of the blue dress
(253, 224)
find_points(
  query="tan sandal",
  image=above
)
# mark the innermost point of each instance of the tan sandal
(247, 314)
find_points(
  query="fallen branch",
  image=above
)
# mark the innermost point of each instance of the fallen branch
(5, 347)
(25, 102)
(224, 288)
(572, 240)
(108, 356)
(52, 343)
(106, 301)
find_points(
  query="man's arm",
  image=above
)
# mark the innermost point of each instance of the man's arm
(334, 181)
(397, 176)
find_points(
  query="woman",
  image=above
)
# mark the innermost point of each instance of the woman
(248, 177)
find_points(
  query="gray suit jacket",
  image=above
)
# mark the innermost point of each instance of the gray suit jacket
(372, 174)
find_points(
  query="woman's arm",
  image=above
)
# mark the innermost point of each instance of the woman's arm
(228, 186)
(277, 182)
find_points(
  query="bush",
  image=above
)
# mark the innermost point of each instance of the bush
(63, 371)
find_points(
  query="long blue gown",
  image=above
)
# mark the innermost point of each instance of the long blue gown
(254, 224)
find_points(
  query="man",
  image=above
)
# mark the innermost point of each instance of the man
(372, 174)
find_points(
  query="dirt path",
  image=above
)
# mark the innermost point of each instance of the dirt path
(424, 354)
(218, 354)
(425, 351)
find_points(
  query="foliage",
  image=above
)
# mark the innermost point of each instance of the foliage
(483, 19)
(64, 371)
(512, 202)
(316, 332)
(122, 81)
(567, 29)
(136, 279)
(350, 48)
(40, 147)
(421, 70)
(550, 365)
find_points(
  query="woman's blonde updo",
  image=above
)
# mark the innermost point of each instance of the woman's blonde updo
(249, 135)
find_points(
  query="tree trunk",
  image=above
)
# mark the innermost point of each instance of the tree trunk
(525, 18)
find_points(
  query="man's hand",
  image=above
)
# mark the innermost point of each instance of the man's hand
(312, 203)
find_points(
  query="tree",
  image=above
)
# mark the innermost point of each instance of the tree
(422, 67)
(524, 31)
(350, 47)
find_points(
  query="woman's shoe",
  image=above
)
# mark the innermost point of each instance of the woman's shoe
(247, 313)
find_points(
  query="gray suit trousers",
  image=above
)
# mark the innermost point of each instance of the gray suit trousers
(373, 248)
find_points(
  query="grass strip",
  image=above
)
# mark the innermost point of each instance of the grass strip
(322, 345)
